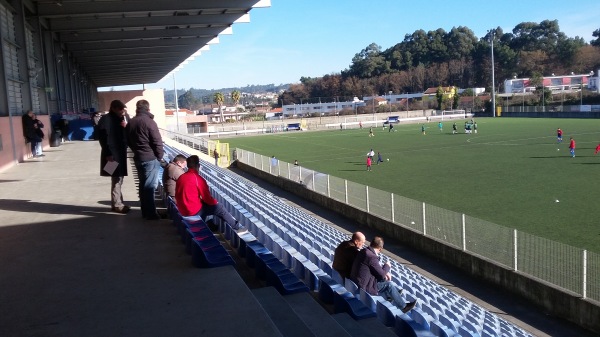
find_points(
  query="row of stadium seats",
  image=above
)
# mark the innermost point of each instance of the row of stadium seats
(305, 245)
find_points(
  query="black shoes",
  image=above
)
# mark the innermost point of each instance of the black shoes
(409, 306)
(121, 210)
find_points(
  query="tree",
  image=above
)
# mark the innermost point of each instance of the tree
(596, 34)
(235, 97)
(439, 96)
(455, 99)
(187, 101)
(219, 99)
(369, 62)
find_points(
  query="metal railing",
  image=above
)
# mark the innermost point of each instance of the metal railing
(565, 266)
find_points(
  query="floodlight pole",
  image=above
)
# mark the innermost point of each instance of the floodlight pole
(176, 103)
(493, 79)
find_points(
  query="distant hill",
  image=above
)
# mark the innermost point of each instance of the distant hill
(207, 94)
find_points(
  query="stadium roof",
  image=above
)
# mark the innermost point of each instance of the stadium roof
(118, 42)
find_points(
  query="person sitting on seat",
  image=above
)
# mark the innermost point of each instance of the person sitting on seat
(370, 276)
(171, 173)
(346, 252)
(193, 197)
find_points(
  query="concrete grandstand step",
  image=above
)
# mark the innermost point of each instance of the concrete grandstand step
(315, 316)
(281, 313)
(364, 327)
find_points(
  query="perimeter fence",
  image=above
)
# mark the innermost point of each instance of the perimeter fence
(565, 266)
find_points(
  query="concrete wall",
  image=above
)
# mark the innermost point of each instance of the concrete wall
(155, 97)
(554, 301)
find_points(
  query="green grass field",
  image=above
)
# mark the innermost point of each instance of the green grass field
(510, 173)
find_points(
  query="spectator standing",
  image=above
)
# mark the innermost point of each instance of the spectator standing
(95, 121)
(172, 172)
(62, 125)
(216, 156)
(38, 130)
(370, 276)
(193, 197)
(30, 133)
(113, 141)
(38, 125)
(345, 253)
(143, 137)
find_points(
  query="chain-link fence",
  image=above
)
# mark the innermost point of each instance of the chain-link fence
(565, 266)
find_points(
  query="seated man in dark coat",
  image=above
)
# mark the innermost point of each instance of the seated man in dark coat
(346, 252)
(369, 275)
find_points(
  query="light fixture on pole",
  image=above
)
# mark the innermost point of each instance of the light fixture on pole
(493, 79)
(176, 103)
(543, 95)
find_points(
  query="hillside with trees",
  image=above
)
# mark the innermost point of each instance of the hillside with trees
(455, 58)
(194, 98)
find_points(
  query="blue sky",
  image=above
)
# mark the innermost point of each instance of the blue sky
(295, 38)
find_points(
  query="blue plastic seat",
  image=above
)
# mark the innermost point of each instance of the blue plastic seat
(253, 249)
(406, 326)
(344, 301)
(283, 279)
(337, 277)
(369, 300)
(210, 255)
(262, 263)
(387, 312)
(464, 332)
(327, 287)
(440, 330)
(449, 323)
(421, 318)
(352, 287)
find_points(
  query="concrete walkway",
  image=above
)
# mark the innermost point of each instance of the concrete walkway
(70, 267)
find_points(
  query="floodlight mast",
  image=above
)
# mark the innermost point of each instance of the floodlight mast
(493, 79)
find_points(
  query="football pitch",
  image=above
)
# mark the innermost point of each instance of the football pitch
(512, 172)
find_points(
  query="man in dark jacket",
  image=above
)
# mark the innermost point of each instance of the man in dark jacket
(346, 252)
(144, 139)
(113, 141)
(31, 133)
(369, 275)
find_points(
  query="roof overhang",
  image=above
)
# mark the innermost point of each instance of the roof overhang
(118, 42)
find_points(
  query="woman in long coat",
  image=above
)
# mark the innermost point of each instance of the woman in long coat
(113, 140)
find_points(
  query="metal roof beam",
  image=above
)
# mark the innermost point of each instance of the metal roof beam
(50, 9)
(88, 36)
(96, 24)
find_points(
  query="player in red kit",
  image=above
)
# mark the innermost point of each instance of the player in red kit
(572, 147)
(559, 135)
